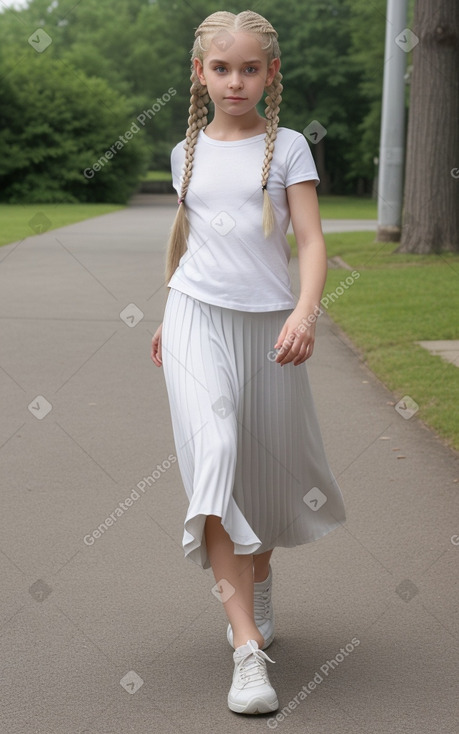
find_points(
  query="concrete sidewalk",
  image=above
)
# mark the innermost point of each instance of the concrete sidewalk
(112, 631)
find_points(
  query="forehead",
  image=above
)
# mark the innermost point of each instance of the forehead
(235, 47)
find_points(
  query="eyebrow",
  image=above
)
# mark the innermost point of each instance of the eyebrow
(219, 61)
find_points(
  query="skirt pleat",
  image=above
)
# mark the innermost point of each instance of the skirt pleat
(246, 433)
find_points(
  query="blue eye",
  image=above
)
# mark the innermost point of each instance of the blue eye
(251, 69)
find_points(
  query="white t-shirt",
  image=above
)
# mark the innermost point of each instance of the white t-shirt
(229, 262)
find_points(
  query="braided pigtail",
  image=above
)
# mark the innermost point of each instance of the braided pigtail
(197, 119)
(273, 101)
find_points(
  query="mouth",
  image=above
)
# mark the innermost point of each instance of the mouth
(236, 99)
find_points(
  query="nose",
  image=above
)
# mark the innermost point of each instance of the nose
(235, 81)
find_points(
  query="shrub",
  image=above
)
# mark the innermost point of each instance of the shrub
(55, 123)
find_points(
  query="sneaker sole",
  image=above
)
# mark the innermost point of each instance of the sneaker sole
(255, 706)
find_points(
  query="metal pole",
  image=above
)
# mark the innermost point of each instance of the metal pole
(391, 155)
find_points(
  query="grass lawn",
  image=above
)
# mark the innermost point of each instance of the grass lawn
(397, 301)
(157, 176)
(347, 207)
(19, 221)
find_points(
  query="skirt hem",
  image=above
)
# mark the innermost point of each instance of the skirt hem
(197, 553)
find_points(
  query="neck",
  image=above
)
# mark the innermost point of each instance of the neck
(229, 127)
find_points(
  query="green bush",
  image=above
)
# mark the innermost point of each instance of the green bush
(66, 137)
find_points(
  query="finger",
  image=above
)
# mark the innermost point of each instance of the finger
(286, 346)
(290, 353)
(299, 352)
(281, 337)
(160, 350)
(156, 353)
(293, 341)
(302, 356)
(309, 350)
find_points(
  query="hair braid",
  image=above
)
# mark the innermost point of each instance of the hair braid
(197, 119)
(273, 101)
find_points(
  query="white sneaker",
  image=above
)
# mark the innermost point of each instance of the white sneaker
(263, 611)
(251, 692)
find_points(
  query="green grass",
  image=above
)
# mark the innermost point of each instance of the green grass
(347, 207)
(21, 221)
(397, 301)
(157, 176)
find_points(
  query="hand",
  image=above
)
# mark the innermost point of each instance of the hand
(156, 347)
(296, 339)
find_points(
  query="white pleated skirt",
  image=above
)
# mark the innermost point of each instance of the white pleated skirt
(246, 433)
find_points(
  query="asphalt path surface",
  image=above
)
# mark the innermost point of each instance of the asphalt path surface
(112, 631)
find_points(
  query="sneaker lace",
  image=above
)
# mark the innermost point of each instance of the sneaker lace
(261, 603)
(253, 666)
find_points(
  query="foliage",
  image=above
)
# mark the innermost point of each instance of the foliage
(332, 61)
(55, 126)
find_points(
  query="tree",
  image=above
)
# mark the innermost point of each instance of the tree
(320, 81)
(431, 211)
(367, 32)
(65, 138)
(140, 48)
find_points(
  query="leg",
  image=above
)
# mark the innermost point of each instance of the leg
(261, 566)
(238, 571)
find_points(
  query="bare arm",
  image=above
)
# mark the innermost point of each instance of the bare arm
(296, 339)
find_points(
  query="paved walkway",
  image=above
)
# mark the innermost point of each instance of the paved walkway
(447, 349)
(111, 631)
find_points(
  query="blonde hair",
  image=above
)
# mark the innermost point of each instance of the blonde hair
(221, 22)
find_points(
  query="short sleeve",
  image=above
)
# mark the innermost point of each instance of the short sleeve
(177, 161)
(300, 164)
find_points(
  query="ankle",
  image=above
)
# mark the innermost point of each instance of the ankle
(242, 638)
(260, 575)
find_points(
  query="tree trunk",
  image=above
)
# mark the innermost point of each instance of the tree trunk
(324, 186)
(431, 206)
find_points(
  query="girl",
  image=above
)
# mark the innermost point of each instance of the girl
(234, 344)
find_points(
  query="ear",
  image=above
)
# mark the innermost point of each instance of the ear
(199, 69)
(273, 68)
